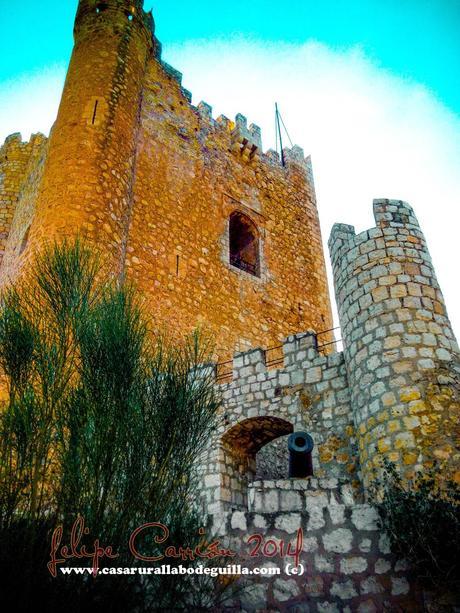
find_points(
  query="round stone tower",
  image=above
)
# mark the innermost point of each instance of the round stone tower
(88, 178)
(401, 354)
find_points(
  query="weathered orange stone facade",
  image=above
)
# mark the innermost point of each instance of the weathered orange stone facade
(152, 181)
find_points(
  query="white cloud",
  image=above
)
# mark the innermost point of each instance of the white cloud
(370, 133)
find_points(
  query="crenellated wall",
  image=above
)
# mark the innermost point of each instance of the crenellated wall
(393, 392)
(20, 175)
(89, 167)
(193, 173)
(152, 182)
(401, 355)
(307, 391)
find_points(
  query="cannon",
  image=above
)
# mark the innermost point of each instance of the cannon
(300, 445)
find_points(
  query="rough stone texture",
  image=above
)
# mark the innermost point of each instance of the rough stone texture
(338, 575)
(391, 382)
(401, 355)
(152, 180)
(21, 169)
(308, 391)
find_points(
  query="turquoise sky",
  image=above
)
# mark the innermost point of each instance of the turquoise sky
(415, 39)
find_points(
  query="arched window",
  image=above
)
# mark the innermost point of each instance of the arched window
(244, 244)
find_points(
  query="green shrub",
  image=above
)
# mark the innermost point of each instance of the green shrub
(422, 521)
(101, 420)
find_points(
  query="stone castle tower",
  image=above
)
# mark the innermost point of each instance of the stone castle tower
(213, 231)
(399, 347)
(216, 232)
(393, 392)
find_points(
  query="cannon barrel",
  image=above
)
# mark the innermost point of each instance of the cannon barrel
(300, 445)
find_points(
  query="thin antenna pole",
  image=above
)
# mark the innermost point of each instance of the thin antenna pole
(279, 133)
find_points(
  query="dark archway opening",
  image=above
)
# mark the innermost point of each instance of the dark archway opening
(241, 445)
(244, 244)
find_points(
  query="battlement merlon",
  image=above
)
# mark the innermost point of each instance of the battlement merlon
(298, 351)
(394, 213)
(296, 161)
(296, 348)
(14, 142)
(247, 140)
(388, 214)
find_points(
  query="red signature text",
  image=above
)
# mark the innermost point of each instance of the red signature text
(75, 550)
(271, 548)
(161, 534)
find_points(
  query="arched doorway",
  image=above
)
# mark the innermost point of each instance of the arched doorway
(240, 445)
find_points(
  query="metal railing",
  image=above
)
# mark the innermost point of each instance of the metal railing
(224, 373)
(321, 346)
(239, 262)
(274, 356)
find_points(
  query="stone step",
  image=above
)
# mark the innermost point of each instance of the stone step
(298, 495)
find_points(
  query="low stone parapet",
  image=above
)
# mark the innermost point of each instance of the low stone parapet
(298, 494)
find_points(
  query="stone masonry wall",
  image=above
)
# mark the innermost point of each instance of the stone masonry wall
(28, 188)
(347, 565)
(193, 172)
(400, 352)
(88, 174)
(151, 181)
(18, 164)
(308, 392)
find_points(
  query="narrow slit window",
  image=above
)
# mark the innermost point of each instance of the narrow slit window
(93, 120)
(244, 244)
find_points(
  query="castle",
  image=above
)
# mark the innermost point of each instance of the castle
(217, 233)
(213, 231)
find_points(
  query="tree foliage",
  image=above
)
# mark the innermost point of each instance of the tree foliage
(100, 419)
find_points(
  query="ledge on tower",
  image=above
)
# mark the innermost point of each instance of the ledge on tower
(246, 141)
(172, 72)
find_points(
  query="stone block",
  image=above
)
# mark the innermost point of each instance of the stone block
(288, 522)
(338, 541)
(238, 521)
(399, 586)
(285, 589)
(345, 590)
(353, 565)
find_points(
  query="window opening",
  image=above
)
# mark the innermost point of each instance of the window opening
(244, 244)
